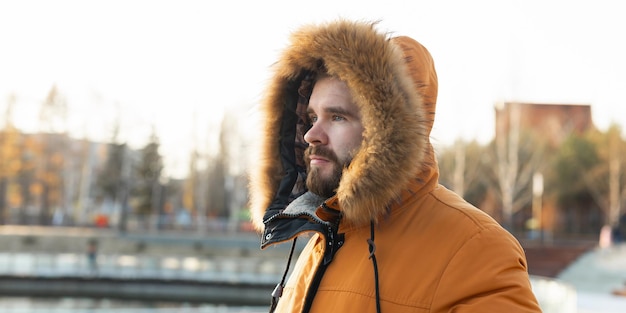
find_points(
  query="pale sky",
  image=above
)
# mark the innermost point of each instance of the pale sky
(174, 64)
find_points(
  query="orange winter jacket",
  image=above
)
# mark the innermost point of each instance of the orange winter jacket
(391, 239)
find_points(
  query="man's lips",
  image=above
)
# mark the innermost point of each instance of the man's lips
(318, 160)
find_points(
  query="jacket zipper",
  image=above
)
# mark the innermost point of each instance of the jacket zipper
(334, 241)
(315, 283)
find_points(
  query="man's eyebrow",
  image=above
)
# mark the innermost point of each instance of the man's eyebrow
(333, 109)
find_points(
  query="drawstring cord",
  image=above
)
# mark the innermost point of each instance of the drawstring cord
(372, 249)
(278, 291)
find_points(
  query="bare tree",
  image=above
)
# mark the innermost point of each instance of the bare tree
(195, 186)
(53, 127)
(462, 169)
(148, 188)
(516, 157)
(617, 188)
(9, 155)
(217, 170)
(114, 179)
(605, 177)
(53, 113)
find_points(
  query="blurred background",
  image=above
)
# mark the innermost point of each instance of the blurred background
(126, 129)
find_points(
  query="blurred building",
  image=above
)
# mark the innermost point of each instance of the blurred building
(553, 122)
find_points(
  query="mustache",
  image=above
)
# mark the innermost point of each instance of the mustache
(320, 151)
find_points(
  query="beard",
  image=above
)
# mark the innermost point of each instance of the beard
(315, 181)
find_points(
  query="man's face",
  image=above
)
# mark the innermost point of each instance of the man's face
(334, 137)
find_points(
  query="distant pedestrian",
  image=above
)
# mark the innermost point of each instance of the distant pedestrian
(92, 255)
(619, 231)
(606, 237)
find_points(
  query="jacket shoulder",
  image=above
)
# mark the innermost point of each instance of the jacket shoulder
(448, 202)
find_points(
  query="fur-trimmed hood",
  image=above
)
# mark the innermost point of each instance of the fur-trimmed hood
(393, 82)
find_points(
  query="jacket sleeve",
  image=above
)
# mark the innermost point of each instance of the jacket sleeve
(487, 274)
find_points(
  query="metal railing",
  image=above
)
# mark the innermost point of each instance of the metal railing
(214, 269)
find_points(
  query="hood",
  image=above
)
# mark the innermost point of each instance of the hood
(393, 82)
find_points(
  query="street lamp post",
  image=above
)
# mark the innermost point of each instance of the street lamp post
(537, 205)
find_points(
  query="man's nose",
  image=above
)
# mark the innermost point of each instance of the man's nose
(316, 135)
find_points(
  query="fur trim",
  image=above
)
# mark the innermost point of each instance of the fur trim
(397, 122)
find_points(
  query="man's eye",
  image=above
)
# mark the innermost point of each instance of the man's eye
(338, 118)
(313, 119)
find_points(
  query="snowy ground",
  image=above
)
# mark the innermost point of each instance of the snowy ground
(595, 276)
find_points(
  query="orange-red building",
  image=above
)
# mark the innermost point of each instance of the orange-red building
(554, 122)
